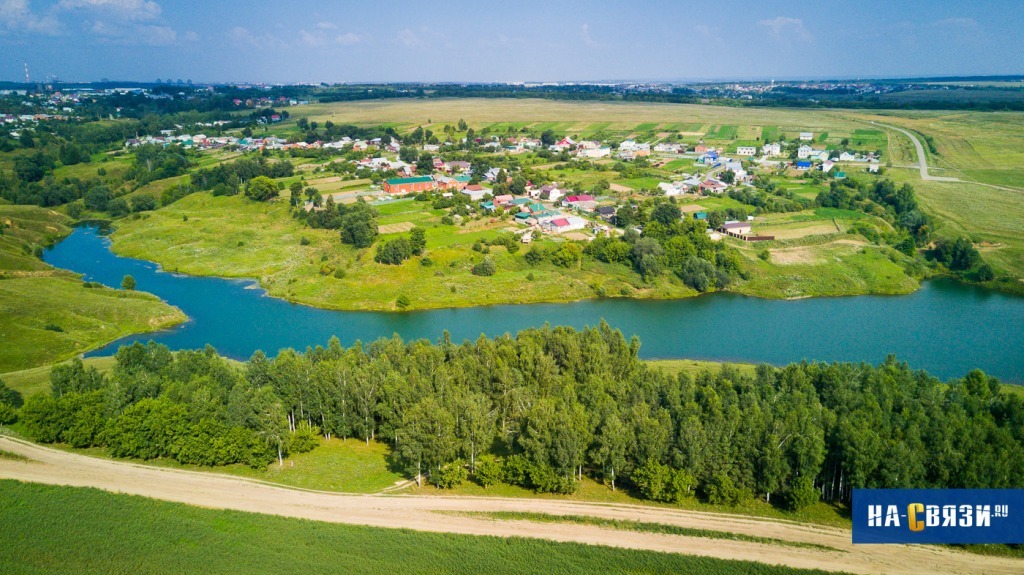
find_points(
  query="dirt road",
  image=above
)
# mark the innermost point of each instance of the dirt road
(922, 160)
(428, 513)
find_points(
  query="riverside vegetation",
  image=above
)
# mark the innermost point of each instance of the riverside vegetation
(545, 409)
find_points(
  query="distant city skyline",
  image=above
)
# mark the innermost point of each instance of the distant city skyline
(528, 41)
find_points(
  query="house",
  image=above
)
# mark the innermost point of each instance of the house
(746, 150)
(666, 148)
(771, 149)
(806, 136)
(456, 183)
(737, 228)
(802, 166)
(606, 213)
(409, 185)
(669, 189)
(840, 175)
(847, 157)
(713, 186)
(827, 165)
(438, 164)
(565, 224)
(804, 151)
(550, 192)
(571, 201)
(476, 192)
(456, 166)
(873, 168)
(503, 200)
(700, 149)
(700, 216)
(492, 174)
(595, 153)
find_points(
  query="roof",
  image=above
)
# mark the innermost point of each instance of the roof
(803, 164)
(413, 180)
(560, 222)
(606, 210)
(732, 225)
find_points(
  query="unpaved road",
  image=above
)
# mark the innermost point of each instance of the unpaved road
(427, 513)
(922, 160)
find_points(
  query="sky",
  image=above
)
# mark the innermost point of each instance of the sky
(517, 41)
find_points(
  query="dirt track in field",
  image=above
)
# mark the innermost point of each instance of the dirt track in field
(431, 513)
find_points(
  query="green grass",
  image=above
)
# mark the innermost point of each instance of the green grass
(646, 127)
(12, 456)
(724, 132)
(37, 379)
(694, 367)
(49, 529)
(86, 317)
(47, 315)
(641, 527)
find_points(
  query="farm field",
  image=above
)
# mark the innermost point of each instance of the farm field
(118, 532)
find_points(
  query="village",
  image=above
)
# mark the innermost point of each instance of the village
(538, 205)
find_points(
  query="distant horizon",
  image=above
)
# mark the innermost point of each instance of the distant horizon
(1018, 77)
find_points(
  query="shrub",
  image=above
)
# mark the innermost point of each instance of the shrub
(485, 268)
(53, 327)
(393, 252)
(450, 476)
(305, 438)
(488, 470)
(128, 283)
(802, 494)
(339, 274)
(303, 241)
(402, 302)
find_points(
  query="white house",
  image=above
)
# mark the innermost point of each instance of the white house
(595, 153)
(847, 157)
(827, 165)
(565, 224)
(670, 189)
(746, 150)
(771, 149)
(476, 192)
(806, 136)
(804, 152)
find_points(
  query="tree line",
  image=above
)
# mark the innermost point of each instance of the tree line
(547, 407)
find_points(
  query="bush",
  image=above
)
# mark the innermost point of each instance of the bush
(128, 283)
(534, 256)
(450, 476)
(802, 494)
(485, 268)
(393, 252)
(426, 262)
(261, 189)
(339, 274)
(303, 241)
(402, 302)
(720, 490)
(697, 273)
(53, 327)
(488, 470)
(985, 273)
(306, 438)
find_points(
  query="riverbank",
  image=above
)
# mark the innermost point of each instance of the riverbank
(232, 237)
(48, 314)
(968, 327)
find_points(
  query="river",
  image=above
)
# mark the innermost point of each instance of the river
(946, 327)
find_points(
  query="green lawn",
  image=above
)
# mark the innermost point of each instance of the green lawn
(49, 529)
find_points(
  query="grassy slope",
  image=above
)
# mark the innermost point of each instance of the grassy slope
(33, 296)
(37, 379)
(50, 529)
(234, 237)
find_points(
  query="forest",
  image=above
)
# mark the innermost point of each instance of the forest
(545, 407)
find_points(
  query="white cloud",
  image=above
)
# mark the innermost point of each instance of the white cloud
(191, 37)
(408, 37)
(786, 28)
(138, 10)
(348, 39)
(326, 26)
(244, 38)
(109, 33)
(16, 16)
(585, 34)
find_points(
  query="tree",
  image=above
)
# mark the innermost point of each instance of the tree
(394, 251)
(609, 450)
(359, 225)
(485, 268)
(666, 213)
(143, 203)
(418, 240)
(261, 189)
(429, 441)
(128, 283)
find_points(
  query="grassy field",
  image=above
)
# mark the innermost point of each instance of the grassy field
(49, 529)
(37, 379)
(47, 315)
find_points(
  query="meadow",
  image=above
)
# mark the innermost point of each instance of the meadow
(47, 314)
(49, 529)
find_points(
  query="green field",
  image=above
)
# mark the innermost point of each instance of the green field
(47, 529)
(47, 315)
(37, 379)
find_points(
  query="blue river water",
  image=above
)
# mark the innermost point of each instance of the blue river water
(946, 327)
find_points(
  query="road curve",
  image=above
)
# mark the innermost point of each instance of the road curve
(922, 160)
(434, 513)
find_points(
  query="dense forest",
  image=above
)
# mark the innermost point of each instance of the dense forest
(546, 407)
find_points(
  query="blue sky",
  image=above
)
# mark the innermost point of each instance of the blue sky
(527, 40)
